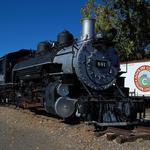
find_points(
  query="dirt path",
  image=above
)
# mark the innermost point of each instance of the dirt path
(23, 130)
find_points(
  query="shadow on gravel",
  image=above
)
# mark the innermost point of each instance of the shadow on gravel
(71, 121)
(41, 112)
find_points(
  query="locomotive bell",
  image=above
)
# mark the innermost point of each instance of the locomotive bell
(65, 38)
(88, 28)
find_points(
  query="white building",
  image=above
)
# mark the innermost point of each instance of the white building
(137, 77)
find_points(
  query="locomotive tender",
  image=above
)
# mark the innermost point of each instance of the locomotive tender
(72, 78)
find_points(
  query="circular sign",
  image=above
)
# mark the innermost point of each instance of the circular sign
(142, 78)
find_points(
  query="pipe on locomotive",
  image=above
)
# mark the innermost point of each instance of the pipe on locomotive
(88, 28)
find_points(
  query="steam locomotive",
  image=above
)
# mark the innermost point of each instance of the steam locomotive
(72, 78)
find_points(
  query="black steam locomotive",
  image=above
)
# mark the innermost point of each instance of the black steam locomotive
(72, 78)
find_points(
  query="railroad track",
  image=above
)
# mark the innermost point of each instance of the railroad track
(121, 135)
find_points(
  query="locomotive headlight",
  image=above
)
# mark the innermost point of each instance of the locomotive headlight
(101, 64)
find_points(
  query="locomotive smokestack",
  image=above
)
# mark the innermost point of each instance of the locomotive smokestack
(88, 28)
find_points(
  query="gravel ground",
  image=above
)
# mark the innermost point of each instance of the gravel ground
(23, 130)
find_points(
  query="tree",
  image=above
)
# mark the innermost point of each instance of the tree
(131, 19)
(103, 14)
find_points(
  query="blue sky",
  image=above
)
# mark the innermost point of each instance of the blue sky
(24, 23)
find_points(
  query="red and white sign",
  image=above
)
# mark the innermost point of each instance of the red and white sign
(142, 78)
(137, 77)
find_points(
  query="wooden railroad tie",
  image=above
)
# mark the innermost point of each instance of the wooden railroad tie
(124, 135)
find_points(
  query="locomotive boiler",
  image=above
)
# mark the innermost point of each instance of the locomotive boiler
(78, 78)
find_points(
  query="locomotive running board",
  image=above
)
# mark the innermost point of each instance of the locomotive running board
(113, 123)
